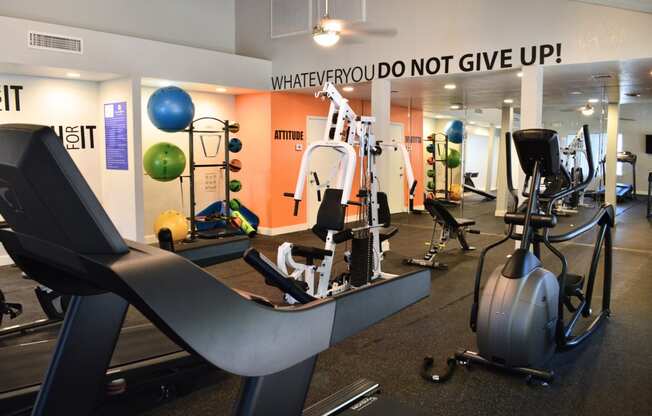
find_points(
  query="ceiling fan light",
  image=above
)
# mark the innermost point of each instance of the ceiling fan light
(326, 38)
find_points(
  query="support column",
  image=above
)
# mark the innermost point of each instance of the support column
(381, 104)
(613, 113)
(502, 193)
(531, 108)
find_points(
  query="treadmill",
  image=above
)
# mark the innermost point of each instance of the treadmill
(627, 190)
(61, 236)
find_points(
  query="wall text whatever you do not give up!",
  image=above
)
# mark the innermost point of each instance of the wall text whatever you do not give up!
(433, 65)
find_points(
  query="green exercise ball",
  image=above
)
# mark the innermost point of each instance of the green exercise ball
(164, 162)
(235, 185)
(430, 148)
(430, 185)
(454, 158)
(430, 173)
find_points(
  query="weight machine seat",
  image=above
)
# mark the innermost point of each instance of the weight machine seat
(62, 237)
(387, 232)
(338, 237)
(311, 253)
(464, 222)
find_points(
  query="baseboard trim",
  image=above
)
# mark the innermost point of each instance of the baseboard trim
(282, 230)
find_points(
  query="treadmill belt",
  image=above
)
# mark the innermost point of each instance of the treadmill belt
(24, 365)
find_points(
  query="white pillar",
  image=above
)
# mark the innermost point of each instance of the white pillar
(490, 158)
(613, 113)
(381, 104)
(502, 193)
(531, 106)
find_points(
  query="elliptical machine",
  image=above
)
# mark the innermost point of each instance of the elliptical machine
(519, 319)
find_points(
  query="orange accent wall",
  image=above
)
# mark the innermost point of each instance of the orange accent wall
(254, 113)
(270, 167)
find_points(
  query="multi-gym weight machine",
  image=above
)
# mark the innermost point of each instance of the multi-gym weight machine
(352, 137)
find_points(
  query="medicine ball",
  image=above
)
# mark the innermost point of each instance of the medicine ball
(235, 185)
(235, 145)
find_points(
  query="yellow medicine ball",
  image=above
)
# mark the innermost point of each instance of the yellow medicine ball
(173, 220)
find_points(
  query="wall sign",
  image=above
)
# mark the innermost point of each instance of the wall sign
(115, 136)
(76, 137)
(432, 65)
(288, 135)
(10, 97)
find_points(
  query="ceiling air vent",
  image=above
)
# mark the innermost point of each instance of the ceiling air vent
(38, 40)
(599, 77)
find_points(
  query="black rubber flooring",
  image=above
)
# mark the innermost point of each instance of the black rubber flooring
(610, 375)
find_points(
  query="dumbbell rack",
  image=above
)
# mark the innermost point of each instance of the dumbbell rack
(436, 139)
(191, 130)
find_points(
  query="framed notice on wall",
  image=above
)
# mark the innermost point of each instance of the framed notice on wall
(115, 136)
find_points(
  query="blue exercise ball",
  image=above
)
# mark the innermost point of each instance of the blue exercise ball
(455, 131)
(170, 109)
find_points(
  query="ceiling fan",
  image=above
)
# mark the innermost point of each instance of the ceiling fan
(327, 31)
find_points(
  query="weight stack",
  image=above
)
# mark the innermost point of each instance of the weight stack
(361, 259)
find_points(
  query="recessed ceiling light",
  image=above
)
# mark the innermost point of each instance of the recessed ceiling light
(455, 107)
(593, 100)
(587, 110)
(450, 86)
(472, 122)
(519, 74)
(576, 93)
(497, 127)
(73, 75)
(220, 89)
(508, 101)
(348, 88)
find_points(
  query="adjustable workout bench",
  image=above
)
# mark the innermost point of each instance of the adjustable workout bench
(450, 227)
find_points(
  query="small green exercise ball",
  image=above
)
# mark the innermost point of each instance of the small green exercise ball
(164, 162)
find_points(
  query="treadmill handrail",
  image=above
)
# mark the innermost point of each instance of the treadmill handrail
(214, 321)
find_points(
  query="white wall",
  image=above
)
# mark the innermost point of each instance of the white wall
(427, 28)
(208, 24)
(66, 103)
(161, 196)
(475, 157)
(125, 55)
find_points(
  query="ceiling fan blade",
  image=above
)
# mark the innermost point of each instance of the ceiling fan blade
(350, 40)
(371, 32)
